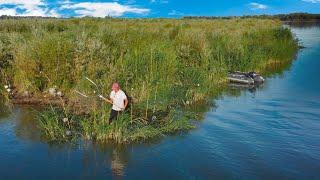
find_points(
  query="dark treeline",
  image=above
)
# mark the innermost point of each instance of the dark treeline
(282, 17)
(297, 17)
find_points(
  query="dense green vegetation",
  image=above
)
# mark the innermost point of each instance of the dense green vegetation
(166, 66)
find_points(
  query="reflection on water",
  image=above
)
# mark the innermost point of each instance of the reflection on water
(271, 131)
(113, 157)
(303, 24)
(4, 108)
(118, 161)
(26, 127)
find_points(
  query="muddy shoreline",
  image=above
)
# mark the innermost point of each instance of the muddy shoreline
(45, 100)
(38, 100)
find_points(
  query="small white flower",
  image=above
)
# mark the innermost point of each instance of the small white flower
(59, 93)
(65, 120)
(6, 86)
(187, 102)
(8, 90)
(154, 118)
(68, 133)
(52, 91)
(198, 85)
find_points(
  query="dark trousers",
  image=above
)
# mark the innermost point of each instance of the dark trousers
(113, 115)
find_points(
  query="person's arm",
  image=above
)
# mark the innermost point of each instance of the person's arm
(105, 99)
(109, 101)
(126, 103)
(125, 99)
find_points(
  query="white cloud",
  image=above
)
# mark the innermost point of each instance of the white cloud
(159, 1)
(175, 13)
(103, 9)
(312, 1)
(8, 12)
(46, 8)
(28, 7)
(257, 6)
(21, 2)
(63, 2)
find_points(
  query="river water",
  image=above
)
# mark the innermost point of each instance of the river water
(273, 132)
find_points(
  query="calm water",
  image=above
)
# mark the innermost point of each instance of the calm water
(271, 133)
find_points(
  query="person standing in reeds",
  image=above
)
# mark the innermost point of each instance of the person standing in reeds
(119, 101)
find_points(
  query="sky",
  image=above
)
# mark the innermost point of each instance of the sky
(154, 8)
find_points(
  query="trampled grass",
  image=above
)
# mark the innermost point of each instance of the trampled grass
(165, 65)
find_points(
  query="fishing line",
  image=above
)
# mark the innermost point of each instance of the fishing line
(98, 90)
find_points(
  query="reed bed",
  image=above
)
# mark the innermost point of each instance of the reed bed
(166, 66)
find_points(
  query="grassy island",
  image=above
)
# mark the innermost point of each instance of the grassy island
(168, 67)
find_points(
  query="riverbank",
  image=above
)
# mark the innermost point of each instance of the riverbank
(166, 66)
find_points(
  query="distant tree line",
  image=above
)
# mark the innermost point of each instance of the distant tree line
(297, 17)
(282, 17)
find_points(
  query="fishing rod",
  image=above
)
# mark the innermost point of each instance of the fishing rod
(97, 89)
(92, 82)
(99, 94)
(82, 94)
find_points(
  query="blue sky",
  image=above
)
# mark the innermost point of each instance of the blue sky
(154, 8)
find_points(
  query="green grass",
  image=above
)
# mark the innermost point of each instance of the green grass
(53, 126)
(123, 130)
(165, 65)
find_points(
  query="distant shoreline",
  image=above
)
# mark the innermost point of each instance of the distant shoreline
(296, 17)
(300, 17)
